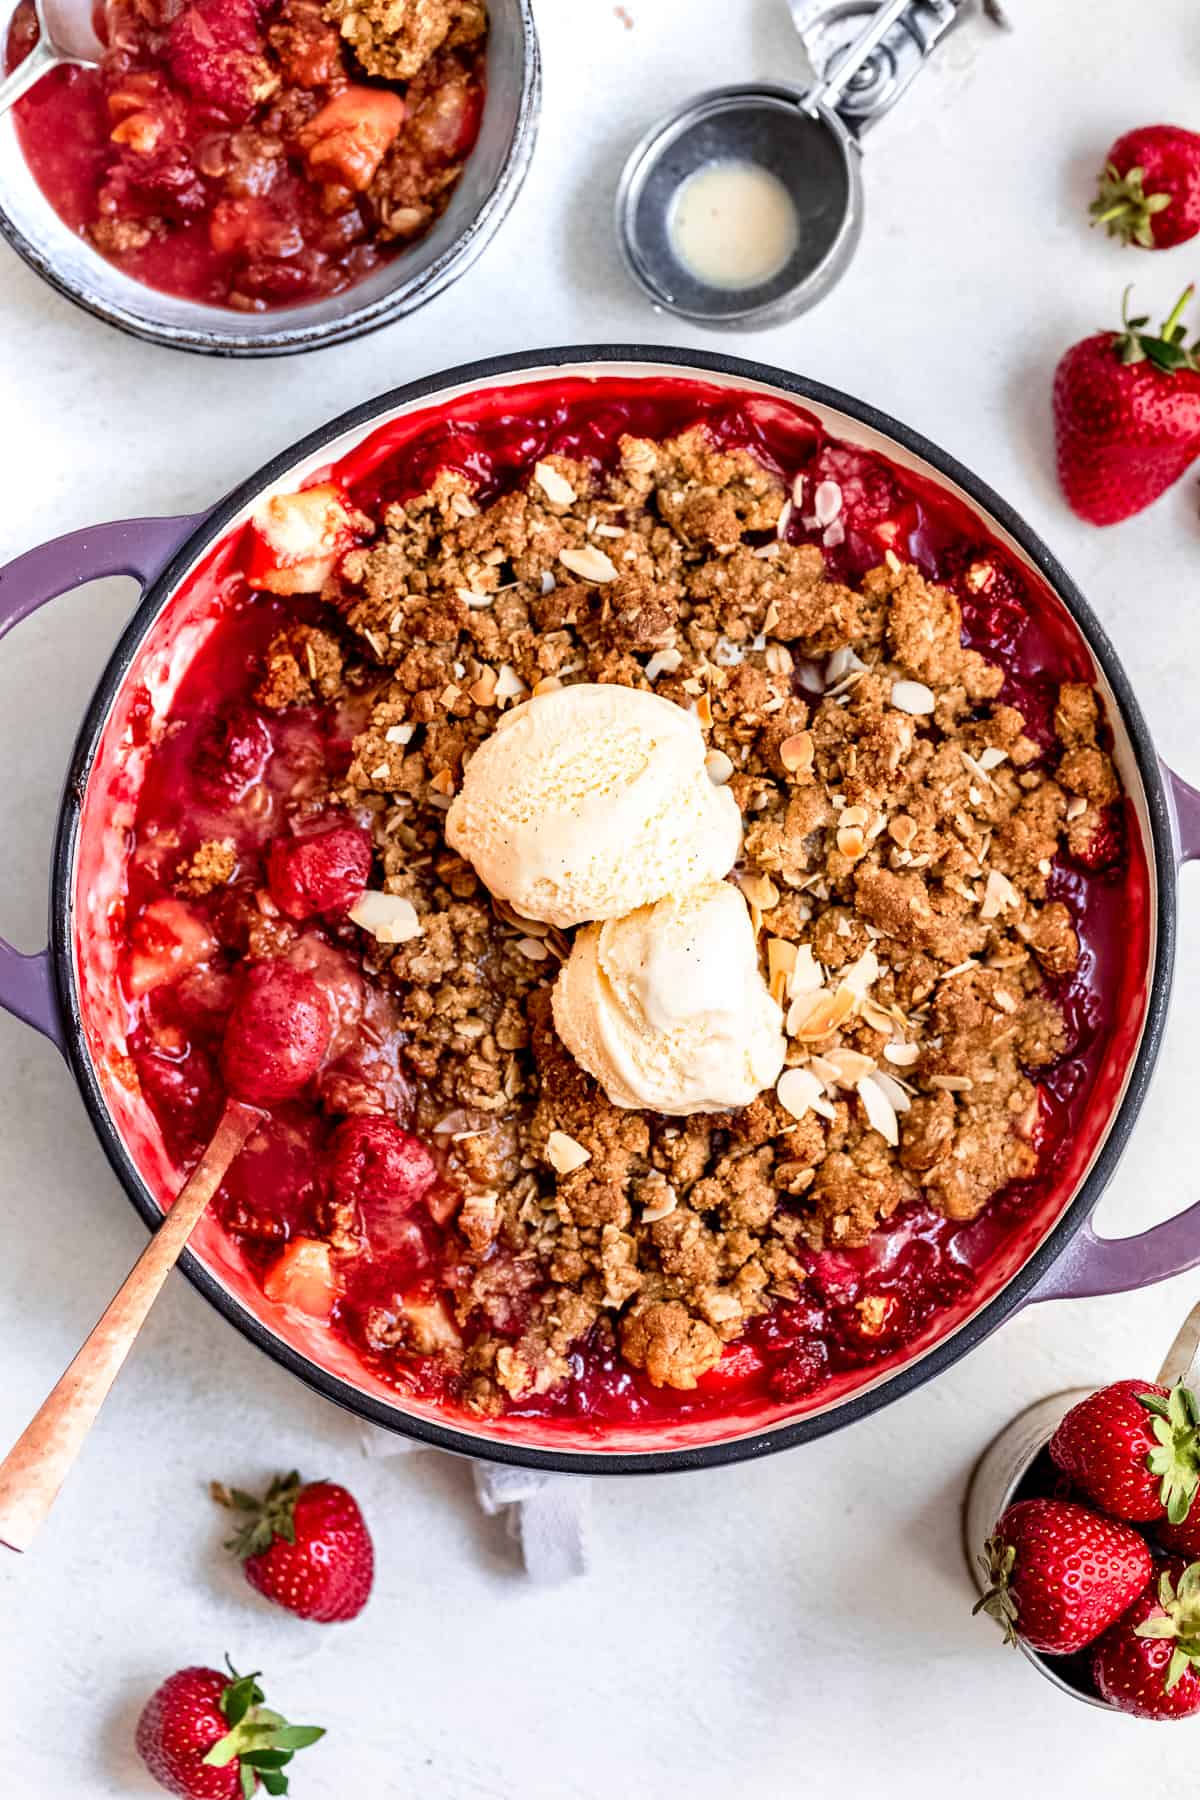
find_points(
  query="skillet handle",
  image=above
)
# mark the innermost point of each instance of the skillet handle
(137, 547)
(1092, 1265)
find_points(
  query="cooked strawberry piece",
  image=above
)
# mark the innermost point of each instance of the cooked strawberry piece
(215, 52)
(324, 871)
(184, 1091)
(347, 140)
(294, 541)
(308, 48)
(305, 1545)
(381, 1172)
(446, 124)
(304, 1277)
(232, 755)
(277, 1034)
(269, 1191)
(250, 226)
(167, 939)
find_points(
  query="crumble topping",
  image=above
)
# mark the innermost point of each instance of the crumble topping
(901, 824)
(394, 38)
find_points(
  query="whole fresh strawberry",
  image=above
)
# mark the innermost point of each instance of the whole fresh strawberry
(1148, 1663)
(305, 1545)
(1134, 1448)
(207, 1736)
(1149, 191)
(1126, 416)
(1059, 1574)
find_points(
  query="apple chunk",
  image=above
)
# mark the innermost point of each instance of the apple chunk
(303, 1276)
(296, 540)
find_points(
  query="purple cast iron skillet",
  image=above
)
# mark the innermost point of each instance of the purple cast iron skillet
(1071, 1259)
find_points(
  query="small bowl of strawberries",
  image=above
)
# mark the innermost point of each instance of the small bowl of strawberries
(1082, 1531)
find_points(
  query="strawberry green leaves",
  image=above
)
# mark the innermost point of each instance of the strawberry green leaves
(1124, 208)
(261, 1741)
(1175, 1457)
(1178, 1620)
(1168, 350)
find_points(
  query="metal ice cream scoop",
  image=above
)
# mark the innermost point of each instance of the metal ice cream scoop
(808, 143)
(66, 34)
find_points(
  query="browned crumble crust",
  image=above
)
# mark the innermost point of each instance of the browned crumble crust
(897, 858)
(303, 664)
(393, 38)
(211, 866)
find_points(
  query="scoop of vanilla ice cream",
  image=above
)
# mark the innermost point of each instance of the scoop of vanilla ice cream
(667, 1007)
(589, 801)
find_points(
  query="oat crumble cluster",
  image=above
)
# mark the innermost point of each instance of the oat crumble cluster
(900, 824)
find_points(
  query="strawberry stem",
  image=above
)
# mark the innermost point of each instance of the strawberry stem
(999, 1602)
(272, 1516)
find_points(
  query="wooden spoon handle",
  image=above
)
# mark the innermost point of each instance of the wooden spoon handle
(41, 1459)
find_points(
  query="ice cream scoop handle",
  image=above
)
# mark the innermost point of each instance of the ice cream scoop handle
(41, 1459)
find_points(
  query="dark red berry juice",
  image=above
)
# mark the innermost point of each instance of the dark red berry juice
(225, 768)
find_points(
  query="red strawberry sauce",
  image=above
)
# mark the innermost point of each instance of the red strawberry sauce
(224, 768)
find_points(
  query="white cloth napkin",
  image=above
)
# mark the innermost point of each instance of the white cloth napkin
(547, 1516)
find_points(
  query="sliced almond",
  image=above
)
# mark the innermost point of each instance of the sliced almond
(760, 891)
(861, 975)
(902, 830)
(565, 1154)
(827, 502)
(549, 684)
(718, 767)
(509, 685)
(851, 843)
(843, 662)
(796, 752)
(902, 1055)
(913, 697)
(992, 757)
(390, 918)
(588, 563)
(881, 1114)
(807, 975)
(556, 487)
(892, 1089)
(815, 1016)
(849, 1066)
(533, 949)
(661, 1208)
(663, 662)
(952, 1084)
(785, 519)
(474, 599)
(998, 894)
(799, 1092)
(1076, 807)
(483, 690)
(855, 815)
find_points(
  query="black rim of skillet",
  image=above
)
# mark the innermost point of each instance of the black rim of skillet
(940, 1355)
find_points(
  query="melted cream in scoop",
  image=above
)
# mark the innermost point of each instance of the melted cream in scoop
(732, 224)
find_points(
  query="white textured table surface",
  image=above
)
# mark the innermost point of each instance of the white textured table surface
(800, 1626)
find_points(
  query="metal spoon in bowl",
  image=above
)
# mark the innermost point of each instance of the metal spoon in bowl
(66, 34)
